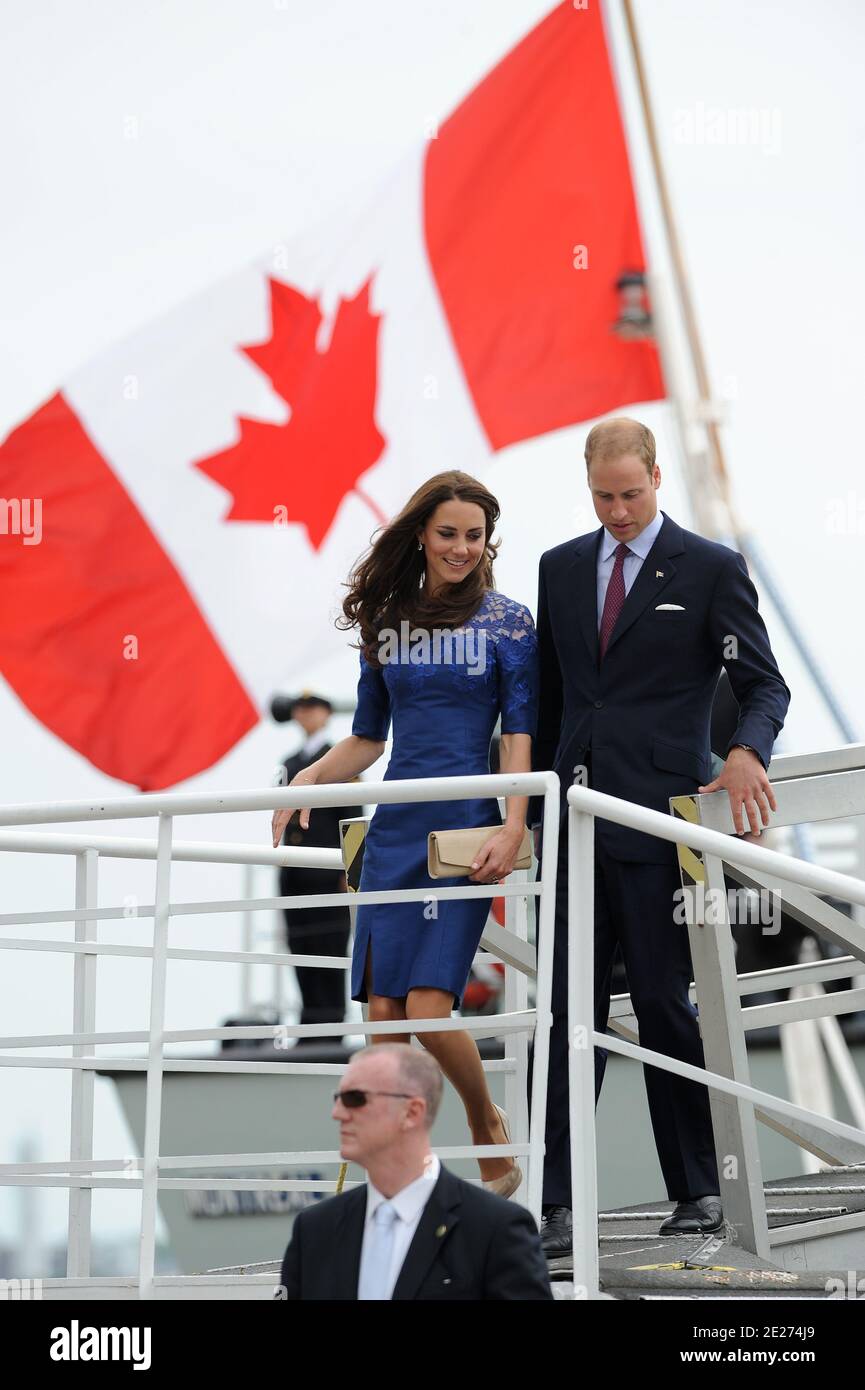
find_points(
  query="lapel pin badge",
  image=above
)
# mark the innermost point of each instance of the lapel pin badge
(659, 574)
(441, 1230)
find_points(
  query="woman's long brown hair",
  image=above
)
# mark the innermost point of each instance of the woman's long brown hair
(384, 587)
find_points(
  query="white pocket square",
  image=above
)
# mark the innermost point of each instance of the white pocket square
(669, 608)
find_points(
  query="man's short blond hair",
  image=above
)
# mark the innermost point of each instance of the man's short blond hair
(612, 439)
(418, 1074)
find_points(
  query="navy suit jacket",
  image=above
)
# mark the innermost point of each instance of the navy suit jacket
(469, 1245)
(645, 710)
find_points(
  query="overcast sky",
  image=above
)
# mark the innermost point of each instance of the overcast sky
(253, 118)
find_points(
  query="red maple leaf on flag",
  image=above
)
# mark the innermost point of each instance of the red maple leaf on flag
(301, 471)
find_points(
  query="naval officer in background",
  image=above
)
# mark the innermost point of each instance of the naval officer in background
(318, 931)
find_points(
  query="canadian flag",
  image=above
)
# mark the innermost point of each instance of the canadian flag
(203, 488)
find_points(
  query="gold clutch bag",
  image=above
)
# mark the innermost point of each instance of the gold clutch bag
(451, 853)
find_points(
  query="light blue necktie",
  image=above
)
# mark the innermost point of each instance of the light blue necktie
(375, 1273)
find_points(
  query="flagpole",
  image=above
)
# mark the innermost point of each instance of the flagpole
(708, 409)
(680, 273)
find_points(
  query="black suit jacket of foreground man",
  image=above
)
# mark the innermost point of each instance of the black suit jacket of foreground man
(469, 1245)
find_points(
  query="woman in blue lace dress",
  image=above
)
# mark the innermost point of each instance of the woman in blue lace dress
(443, 656)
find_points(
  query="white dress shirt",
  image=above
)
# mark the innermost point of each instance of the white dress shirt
(639, 548)
(313, 743)
(409, 1204)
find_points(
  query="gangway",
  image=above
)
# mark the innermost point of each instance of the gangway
(804, 1232)
(81, 1051)
(788, 1238)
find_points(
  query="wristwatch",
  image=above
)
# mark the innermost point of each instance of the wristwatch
(748, 749)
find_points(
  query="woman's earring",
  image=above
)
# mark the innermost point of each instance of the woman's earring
(420, 545)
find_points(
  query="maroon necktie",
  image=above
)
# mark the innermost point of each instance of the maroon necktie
(615, 597)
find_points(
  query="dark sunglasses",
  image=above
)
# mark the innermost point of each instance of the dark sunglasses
(353, 1100)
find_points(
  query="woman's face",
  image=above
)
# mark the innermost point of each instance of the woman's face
(454, 540)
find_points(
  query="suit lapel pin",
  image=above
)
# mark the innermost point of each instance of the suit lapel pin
(441, 1230)
(659, 574)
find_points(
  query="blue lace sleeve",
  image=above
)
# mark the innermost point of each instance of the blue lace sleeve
(372, 716)
(517, 653)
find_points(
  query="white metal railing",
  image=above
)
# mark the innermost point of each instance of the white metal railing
(81, 1173)
(584, 806)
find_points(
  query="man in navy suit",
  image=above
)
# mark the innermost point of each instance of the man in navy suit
(635, 622)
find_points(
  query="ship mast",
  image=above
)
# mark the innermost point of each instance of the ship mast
(707, 479)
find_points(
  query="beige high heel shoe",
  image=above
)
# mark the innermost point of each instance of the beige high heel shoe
(506, 1185)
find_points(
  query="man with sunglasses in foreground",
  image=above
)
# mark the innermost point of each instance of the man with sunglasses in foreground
(413, 1230)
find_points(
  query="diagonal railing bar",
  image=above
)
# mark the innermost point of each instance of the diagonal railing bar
(807, 909)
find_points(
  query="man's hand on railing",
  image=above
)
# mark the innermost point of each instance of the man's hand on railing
(744, 779)
(304, 778)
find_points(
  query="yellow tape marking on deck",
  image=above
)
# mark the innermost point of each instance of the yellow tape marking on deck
(695, 1269)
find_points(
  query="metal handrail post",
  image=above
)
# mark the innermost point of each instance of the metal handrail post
(734, 1124)
(517, 1044)
(83, 1078)
(247, 932)
(581, 1053)
(153, 1095)
(546, 926)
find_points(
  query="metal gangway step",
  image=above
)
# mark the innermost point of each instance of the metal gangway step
(637, 1263)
